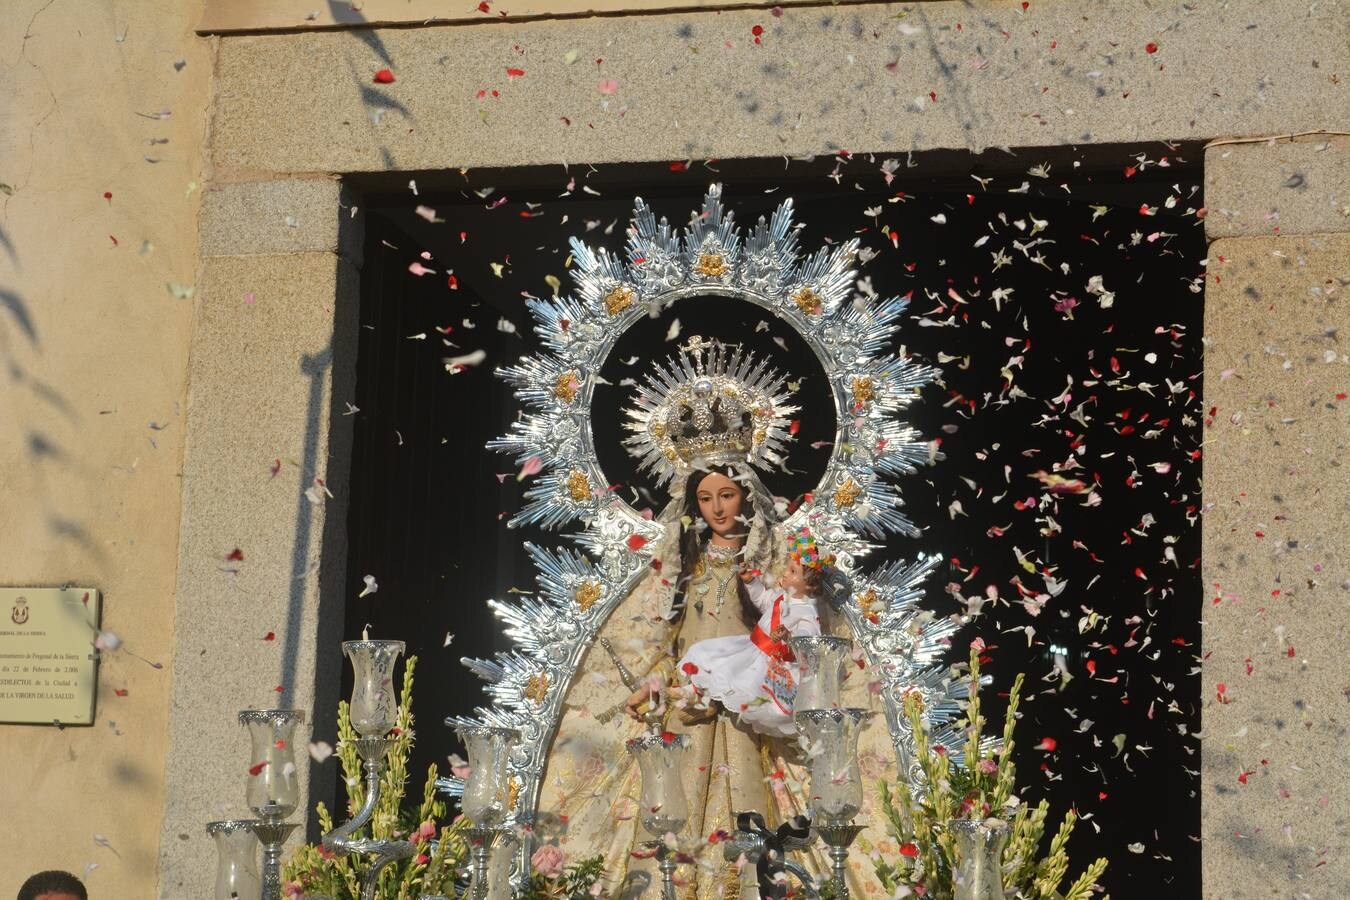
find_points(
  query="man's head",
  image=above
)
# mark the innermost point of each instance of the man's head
(53, 885)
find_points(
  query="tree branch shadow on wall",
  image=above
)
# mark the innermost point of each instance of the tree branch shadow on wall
(375, 101)
(41, 448)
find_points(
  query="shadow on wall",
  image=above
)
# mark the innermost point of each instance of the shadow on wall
(17, 328)
(331, 371)
(375, 100)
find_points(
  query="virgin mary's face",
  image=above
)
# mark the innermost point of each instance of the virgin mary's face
(719, 502)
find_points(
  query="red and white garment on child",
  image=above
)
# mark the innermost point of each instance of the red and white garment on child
(754, 676)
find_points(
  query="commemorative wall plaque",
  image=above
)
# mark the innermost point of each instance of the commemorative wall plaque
(48, 667)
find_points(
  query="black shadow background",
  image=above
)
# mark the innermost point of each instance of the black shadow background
(1031, 379)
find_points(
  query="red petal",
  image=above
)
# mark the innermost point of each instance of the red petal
(691, 669)
(1047, 744)
(909, 849)
(256, 768)
(236, 555)
(636, 542)
(384, 76)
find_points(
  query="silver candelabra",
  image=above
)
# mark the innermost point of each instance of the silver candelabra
(273, 787)
(374, 712)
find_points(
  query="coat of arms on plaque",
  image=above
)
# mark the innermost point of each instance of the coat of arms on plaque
(19, 615)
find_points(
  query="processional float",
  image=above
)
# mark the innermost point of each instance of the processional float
(855, 507)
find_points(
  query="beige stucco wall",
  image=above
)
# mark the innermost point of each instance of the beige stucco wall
(93, 350)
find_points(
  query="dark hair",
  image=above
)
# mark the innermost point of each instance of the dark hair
(694, 539)
(814, 578)
(52, 882)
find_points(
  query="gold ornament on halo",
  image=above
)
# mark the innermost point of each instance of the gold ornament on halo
(578, 486)
(619, 299)
(536, 687)
(586, 594)
(808, 301)
(566, 388)
(867, 602)
(863, 390)
(847, 493)
(512, 792)
(711, 265)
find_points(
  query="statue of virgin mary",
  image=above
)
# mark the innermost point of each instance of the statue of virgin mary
(704, 423)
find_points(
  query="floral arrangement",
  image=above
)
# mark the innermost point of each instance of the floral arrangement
(441, 854)
(553, 878)
(981, 790)
(435, 864)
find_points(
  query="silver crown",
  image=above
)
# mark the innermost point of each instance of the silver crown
(709, 405)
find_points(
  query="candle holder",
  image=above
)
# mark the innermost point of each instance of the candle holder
(823, 659)
(273, 786)
(752, 839)
(979, 850)
(664, 808)
(237, 859)
(831, 743)
(373, 712)
(487, 799)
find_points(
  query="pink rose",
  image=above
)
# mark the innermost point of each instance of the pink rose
(873, 765)
(592, 765)
(548, 861)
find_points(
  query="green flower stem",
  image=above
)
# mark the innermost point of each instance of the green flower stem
(919, 816)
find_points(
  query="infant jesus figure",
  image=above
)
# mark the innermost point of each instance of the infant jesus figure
(755, 676)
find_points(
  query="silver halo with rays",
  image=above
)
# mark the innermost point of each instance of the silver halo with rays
(855, 504)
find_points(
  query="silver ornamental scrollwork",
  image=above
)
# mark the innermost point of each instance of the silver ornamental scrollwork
(855, 506)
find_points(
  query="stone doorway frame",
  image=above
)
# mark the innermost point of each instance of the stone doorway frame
(273, 353)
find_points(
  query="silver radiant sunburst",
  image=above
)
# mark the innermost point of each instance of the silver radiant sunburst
(855, 505)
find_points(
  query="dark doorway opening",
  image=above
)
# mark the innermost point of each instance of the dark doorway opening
(1061, 298)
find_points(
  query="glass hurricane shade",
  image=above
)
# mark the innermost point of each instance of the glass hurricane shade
(374, 708)
(273, 782)
(823, 659)
(236, 860)
(659, 757)
(486, 800)
(830, 740)
(979, 854)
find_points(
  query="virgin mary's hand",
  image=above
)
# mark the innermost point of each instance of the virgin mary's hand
(635, 700)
